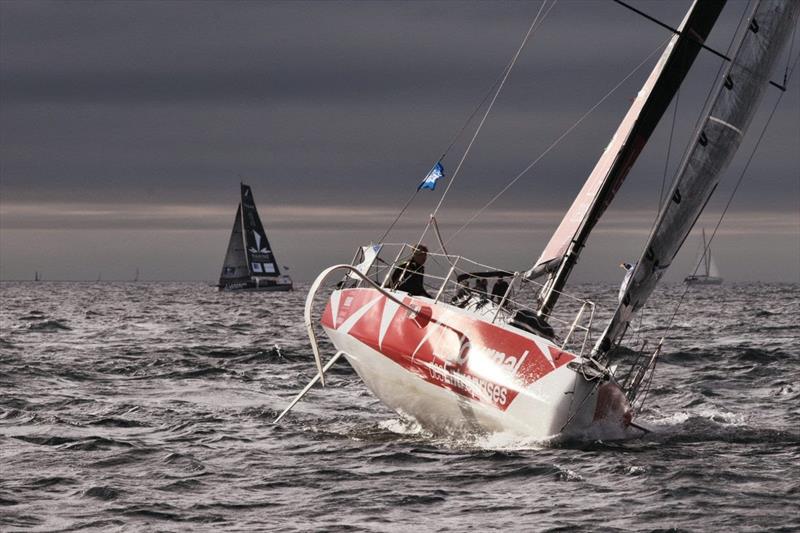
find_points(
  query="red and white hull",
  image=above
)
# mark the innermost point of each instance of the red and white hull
(457, 374)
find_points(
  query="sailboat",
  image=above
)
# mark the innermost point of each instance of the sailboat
(458, 362)
(249, 262)
(709, 274)
(37, 276)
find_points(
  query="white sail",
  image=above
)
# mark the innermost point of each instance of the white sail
(713, 271)
(734, 102)
(651, 102)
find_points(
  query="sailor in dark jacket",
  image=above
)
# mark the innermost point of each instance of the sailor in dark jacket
(408, 276)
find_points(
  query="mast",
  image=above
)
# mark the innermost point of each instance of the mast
(561, 253)
(732, 106)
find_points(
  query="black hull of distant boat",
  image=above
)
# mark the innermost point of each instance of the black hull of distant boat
(265, 286)
(702, 280)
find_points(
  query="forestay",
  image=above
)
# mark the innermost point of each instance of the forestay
(561, 252)
(717, 138)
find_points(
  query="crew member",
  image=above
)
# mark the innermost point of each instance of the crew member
(408, 276)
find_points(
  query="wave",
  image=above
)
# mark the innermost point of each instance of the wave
(53, 481)
(713, 425)
(118, 423)
(74, 443)
(102, 493)
(763, 356)
(50, 325)
(33, 315)
(127, 457)
(6, 344)
(182, 485)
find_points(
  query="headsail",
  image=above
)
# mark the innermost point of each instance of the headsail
(234, 268)
(712, 270)
(561, 253)
(260, 258)
(732, 107)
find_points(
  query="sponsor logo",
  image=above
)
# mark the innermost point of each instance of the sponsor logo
(472, 385)
(464, 354)
(257, 249)
(256, 267)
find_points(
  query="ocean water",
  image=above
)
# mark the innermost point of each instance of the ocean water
(148, 406)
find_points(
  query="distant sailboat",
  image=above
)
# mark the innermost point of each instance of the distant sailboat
(37, 276)
(136, 276)
(249, 262)
(706, 272)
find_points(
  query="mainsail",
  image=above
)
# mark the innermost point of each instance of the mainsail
(719, 134)
(561, 253)
(234, 268)
(260, 259)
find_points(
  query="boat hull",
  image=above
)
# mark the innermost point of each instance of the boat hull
(250, 285)
(458, 374)
(702, 280)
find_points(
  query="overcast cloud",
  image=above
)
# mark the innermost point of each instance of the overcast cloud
(126, 126)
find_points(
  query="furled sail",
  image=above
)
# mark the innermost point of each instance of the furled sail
(234, 268)
(719, 134)
(561, 253)
(260, 258)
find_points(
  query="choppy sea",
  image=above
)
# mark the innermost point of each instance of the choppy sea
(148, 406)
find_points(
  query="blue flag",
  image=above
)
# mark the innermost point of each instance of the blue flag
(433, 176)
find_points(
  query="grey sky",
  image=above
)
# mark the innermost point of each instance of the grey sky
(125, 128)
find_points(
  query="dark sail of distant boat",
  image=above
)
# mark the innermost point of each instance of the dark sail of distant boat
(249, 261)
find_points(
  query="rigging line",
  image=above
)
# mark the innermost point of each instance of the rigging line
(670, 28)
(555, 143)
(692, 37)
(647, 386)
(492, 102)
(403, 210)
(789, 55)
(730, 199)
(449, 146)
(740, 27)
(706, 111)
(669, 150)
